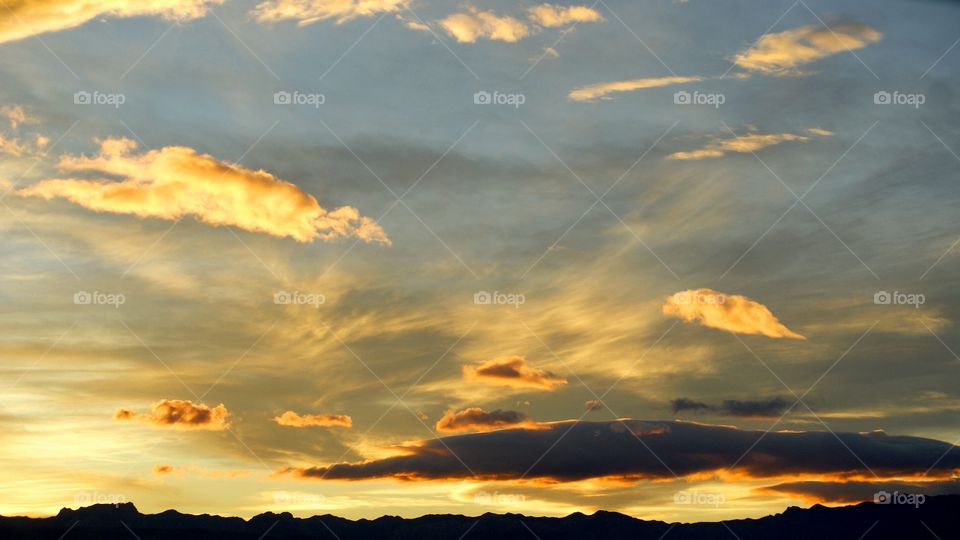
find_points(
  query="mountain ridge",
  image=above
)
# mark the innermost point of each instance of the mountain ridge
(938, 517)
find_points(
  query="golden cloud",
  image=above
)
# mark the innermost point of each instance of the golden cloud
(468, 27)
(307, 12)
(292, 419)
(730, 312)
(477, 419)
(602, 90)
(751, 142)
(178, 413)
(784, 52)
(23, 18)
(551, 16)
(176, 181)
(513, 371)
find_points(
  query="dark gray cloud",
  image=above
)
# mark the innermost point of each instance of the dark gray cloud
(744, 408)
(570, 451)
(846, 492)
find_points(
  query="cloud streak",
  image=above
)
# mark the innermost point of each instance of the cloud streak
(742, 144)
(513, 371)
(477, 419)
(783, 53)
(293, 419)
(176, 181)
(307, 12)
(730, 312)
(603, 90)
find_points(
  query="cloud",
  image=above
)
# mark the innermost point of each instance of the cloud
(578, 450)
(741, 144)
(23, 18)
(747, 408)
(730, 312)
(602, 90)
(593, 405)
(469, 26)
(477, 419)
(163, 469)
(292, 419)
(551, 16)
(16, 115)
(513, 371)
(179, 413)
(474, 24)
(307, 12)
(857, 491)
(176, 181)
(785, 52)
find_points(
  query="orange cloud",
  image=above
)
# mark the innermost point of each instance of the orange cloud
(179, 413)
(602, 90)
(784, 52)
(477, 419)
(292, 419)
(176, 181)
(750, 142)
(307, 12)
(551, 16)
(162, 469)
(733, 313)
(513, 371)
(23, 18)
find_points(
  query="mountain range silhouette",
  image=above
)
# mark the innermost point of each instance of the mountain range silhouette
(938, 518)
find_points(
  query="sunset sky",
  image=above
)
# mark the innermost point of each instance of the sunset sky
(681, 259)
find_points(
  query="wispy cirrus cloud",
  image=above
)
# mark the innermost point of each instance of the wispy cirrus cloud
(293, 419)
(597, 91)
(477, 419)
(783, 53)
(552, 16)
(513, 371)
(178, 413)
(307, 12)
(730, 312)
(577, 450)
(747, 143)
(23, 18)
(176, 181)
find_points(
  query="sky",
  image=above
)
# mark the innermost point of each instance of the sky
(684, 260)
